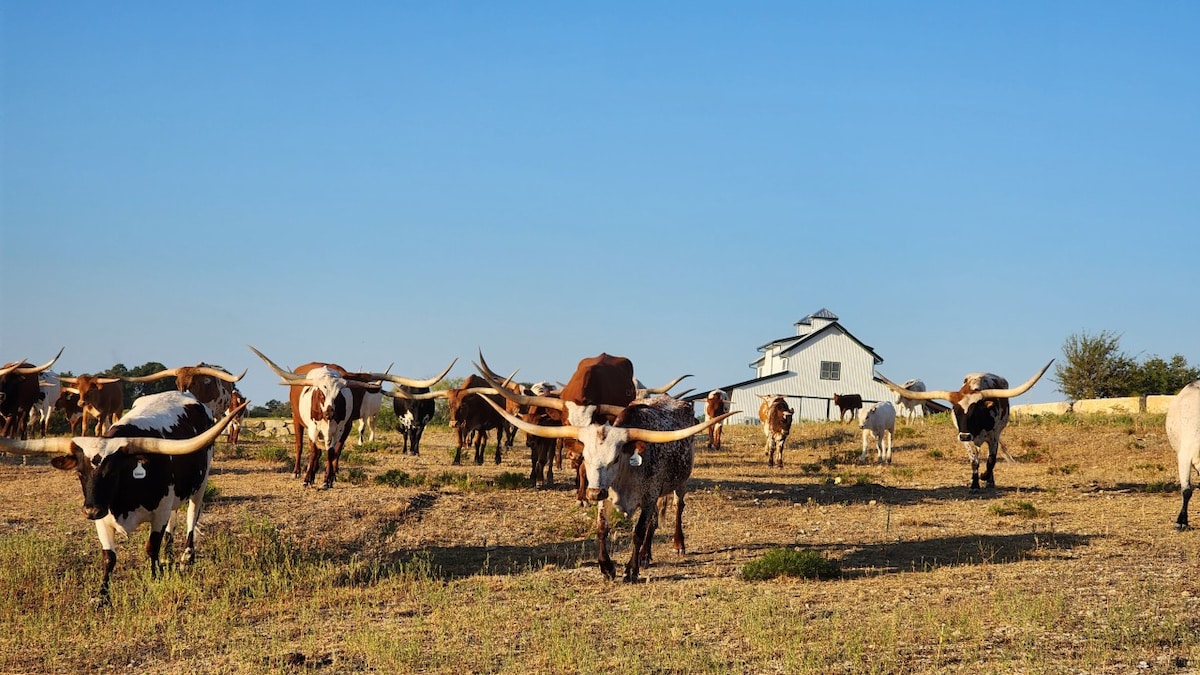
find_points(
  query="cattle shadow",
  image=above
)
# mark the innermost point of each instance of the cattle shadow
(449, 563)
(926, 555)
(826, 493)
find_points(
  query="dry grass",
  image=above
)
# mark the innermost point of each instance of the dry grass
(1070, 565)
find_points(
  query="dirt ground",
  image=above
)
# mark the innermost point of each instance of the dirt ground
(1086, 509)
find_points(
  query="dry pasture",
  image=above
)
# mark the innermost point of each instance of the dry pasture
(1070, 565)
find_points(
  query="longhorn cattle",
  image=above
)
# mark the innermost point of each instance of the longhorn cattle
(100, 397)
(412, 414)
(541, 450)
(358, 384)
(49, 389)
(776, 417)
(236, 402)
(20, 389)
(847, 403)
(715, 405)
(68, 404)
(372, 401)
(211, 385)
(469, 414)
(1183, 432)
(638, 460)
(322, 409)
(980, 410)
(878, 422)
(145, 466)
(909, 407)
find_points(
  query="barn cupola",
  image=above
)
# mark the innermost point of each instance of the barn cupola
(815, 322)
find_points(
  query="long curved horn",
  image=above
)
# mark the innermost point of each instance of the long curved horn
(162, 374)
(400, 393)
(41, 446)
(285, 374)
(915, 395)
(521, 399)
(37, 369)
(166, 446)
(666, 387)
(565, 431)
(408, 381)
(14, 366)
(1015, 391)
(218, 373)
(653, 436)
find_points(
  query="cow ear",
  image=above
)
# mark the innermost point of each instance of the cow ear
(64, 462)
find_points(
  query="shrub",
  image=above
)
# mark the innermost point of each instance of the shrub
(1023, 509)
(806, 564)
(399, 478)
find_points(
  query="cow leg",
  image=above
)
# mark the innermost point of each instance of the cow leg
(332, 455)
(558, 452)
(108, 561)
(887, 454)
(153, 547)
(500, 431)
(462, 437)
(677, 541)
(580, 481)
(988, 475)
(480, 444)
(643, 537)
(300, 433)
(534, 457)
(548, 463)
(770, 453)
(314, 458)
(108, 557)
(606, 564)
(1181, 523)
(1185, 489)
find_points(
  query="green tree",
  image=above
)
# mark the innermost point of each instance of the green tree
(1156, 376)
(273, 408)
(1095, 367)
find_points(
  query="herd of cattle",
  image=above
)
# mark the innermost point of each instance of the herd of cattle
(630, 446)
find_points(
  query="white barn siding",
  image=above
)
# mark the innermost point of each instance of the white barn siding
(797, 372)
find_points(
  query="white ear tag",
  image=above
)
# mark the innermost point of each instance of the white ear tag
(139, 471)
(635, 460)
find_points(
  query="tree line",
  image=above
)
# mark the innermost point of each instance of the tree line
(1094, 366)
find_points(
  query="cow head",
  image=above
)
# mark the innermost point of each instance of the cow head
(775, 411)
(211, 385)
(90, 388)
(605, 445)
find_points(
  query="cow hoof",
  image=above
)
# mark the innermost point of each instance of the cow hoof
(1181, 527)
(608, 568)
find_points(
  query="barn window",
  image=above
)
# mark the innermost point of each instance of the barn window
(831, 370)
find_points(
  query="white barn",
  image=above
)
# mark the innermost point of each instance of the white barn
(820, 360)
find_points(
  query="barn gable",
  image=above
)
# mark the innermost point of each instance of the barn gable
(820, 360)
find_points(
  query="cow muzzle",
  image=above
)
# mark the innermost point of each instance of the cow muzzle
(94, 512)
(597, 495)
(965, 437)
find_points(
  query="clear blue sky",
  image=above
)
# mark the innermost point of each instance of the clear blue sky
(964, 184)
